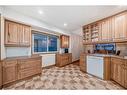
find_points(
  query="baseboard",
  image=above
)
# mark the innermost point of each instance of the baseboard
(47, 67)
(76, 62)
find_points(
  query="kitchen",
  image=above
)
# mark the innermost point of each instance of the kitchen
(105, 48)
(39, 55)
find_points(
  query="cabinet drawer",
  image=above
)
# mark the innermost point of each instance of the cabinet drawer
(28, 64)
(29, 72)
(10, 63)
(117, 60)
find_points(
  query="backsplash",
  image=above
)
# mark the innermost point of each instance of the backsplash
(17, 51)
(119, 46)
(122, 47)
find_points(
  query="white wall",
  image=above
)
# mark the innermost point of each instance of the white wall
(17, 51)
(76, 46)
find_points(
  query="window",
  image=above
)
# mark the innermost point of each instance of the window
(45, 43)
(52, 44)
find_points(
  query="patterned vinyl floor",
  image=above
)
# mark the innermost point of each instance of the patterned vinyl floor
(66, 78)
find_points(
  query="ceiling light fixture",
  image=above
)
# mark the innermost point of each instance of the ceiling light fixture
(40, 12)
(65, 24)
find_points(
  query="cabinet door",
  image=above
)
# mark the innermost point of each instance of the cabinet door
(117, 70)
(20, 31)
(26, 35)
(11, 33)
(120, 73)
(106, 30)
(9, 71)
(0, 74)
(125, 68)
(120, 28)
(64, 41)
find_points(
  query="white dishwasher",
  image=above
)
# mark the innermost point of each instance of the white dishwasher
(95, 66)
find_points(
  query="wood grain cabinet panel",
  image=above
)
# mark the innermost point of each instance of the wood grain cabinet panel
(11, 33)
(0, 74)
(82, 63)
(106, 30)
(9, 71)
(125, 68)
(64, 39)
(120, 26)
(19, 68)
(17, 34)
(63, 59)
(29, 67)
(26, 39)
(118, 70)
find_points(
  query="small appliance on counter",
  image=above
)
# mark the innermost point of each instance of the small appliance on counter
(66, 50)
(118, 52)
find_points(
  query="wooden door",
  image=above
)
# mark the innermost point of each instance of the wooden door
(120, 26)
(26, 38)
(9, 71)
(11, 33)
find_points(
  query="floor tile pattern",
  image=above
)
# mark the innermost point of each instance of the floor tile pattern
(65, 78)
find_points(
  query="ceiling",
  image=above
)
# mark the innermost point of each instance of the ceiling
(73, 16)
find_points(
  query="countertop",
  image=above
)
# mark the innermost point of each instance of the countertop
(22, 57)
(106, 55)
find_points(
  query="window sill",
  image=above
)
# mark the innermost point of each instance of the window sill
(46, 52)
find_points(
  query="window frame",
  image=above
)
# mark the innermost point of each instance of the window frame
(42, 33)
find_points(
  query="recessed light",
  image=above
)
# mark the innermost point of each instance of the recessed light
(65, 24)
(40, 12)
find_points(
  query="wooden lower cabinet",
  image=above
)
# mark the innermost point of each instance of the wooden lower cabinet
(0, 74)
(107, 68)
(82, 63)
(29, 67)
(20, 68)
(125, 75)
(63, 59)
(118, 72)
(9, 71)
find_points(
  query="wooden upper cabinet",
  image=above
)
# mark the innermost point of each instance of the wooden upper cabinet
(17, 34)
(111, 29)
(106, 32)
(11, 33)
(120, 26)
(25, 37)
(64, 41)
